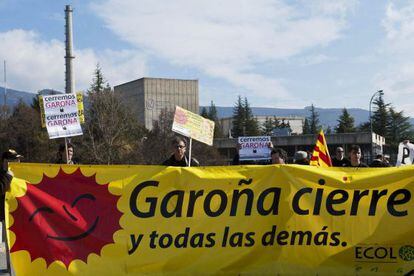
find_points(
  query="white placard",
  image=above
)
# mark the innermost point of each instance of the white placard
(405, 154)
(61, 116)
(254, 148)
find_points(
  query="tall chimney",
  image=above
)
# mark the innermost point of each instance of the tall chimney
(69, 79)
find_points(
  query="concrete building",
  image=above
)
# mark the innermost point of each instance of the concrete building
(148, 96)
(366, 140)
(295, 122)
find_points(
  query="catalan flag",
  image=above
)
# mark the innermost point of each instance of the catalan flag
(320, 155)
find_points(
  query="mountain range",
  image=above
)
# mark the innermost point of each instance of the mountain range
(327, 116)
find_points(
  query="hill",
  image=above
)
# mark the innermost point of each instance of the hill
(14, 96)
(327, 116)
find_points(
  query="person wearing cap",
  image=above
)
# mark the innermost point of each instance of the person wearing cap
(301, 158)
(6, 176)
(178, 158)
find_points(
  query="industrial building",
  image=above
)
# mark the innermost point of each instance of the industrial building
(148, 96)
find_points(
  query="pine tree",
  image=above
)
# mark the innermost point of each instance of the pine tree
(288, 126)
(364, 127)
(204, 112)
(24, 134)
(328, 130)
(267, 126)
(398, 128)
(345, 123)
(380, 116)
(212, 112)
(244, 123)
(252, 126)
(238, 119)
(99, 83)
(313, 118)
(276, 122)
(306, 128)
(112, 131)
(212, 115)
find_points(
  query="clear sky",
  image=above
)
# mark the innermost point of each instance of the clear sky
(278, 53)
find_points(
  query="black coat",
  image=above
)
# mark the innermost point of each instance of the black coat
(181, 163)
(5, 180)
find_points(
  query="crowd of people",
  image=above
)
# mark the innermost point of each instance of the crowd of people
(279, 156)
(179, 158)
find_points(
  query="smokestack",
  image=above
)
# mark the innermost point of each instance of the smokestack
(69, 79)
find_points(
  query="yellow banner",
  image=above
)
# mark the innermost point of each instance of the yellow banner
(256, 220)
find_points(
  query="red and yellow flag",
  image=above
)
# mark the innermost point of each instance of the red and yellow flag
(320, 155)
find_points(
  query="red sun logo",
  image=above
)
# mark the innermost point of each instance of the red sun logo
(180, 117)
(65, 218)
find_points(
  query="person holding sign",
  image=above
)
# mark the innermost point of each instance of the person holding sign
(278, 155)
(178, 158)
(61, 155)
(253, 150)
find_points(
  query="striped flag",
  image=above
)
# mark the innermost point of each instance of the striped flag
(320, 155)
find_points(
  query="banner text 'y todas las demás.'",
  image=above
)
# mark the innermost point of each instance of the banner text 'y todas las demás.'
(116, 220)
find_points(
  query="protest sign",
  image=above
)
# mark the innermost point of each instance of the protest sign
(194, 126)
(259, 220)
(254, 148)
(61, 115)
(405, 154)
(81, 112)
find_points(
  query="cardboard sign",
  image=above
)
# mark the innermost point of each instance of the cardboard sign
(194, 126)
(81, 113)
(405, 154)
(254, 148)
(61, 115)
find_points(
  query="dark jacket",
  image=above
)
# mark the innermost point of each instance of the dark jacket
(361, 165)
(5, 180)
(182, 163)
(378, 163)
(340, 163)
(61, 161)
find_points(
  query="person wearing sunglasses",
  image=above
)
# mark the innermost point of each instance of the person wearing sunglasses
(179, 158)
(340, 160)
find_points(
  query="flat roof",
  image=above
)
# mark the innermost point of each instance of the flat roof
(154, 79)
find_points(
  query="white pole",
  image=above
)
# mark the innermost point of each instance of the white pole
(189, 152)
(5, 87)
(66, 150)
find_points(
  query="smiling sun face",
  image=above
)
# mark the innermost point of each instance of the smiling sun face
(65, 218)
